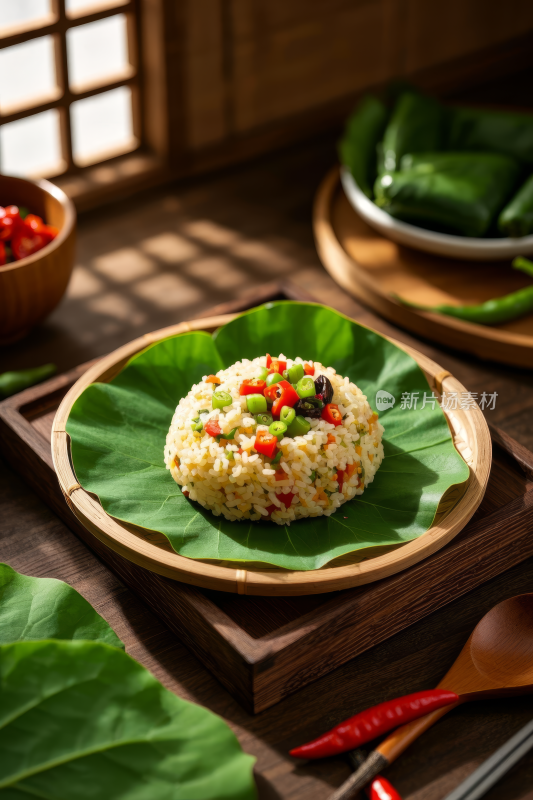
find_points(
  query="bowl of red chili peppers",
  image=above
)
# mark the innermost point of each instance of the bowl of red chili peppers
(37, 240)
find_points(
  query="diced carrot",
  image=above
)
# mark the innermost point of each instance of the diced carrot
(358, 449)
(371, 456)
(212, 379)
(176, 461)
(374, 417)
(331, 438)
(185, 493)
(280, 475)
(350, 469)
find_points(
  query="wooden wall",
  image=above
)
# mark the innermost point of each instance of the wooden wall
(254, 64)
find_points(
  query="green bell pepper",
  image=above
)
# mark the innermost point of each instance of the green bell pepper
(516, 219)
(452, 192)
(357, 148)
(496, 131)
(417, 125)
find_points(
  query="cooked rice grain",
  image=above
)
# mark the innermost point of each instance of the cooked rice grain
(230, 478)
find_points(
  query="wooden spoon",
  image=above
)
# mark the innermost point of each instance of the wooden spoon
(496, 661)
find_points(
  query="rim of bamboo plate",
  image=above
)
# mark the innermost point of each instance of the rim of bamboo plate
(472, 439)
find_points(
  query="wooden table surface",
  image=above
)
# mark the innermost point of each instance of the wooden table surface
(168, 256)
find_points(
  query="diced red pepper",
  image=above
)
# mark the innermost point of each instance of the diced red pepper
(3, 257)
(269, 360)
(288, 396)
(266, 444)
(277, 366)
(36, 224)
(280, 475)
(185, 493)
(332, 414)
(271, 392)
(285, 498)
(271, 509)
(10, 221)
(212, 428)
(252, 386)
(309, 369)
(340, 478)
(212, 379)
(25, 243)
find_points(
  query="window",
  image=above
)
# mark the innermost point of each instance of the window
(69, 96)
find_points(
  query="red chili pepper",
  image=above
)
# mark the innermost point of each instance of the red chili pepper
(271, 509)
(252, 386)
(332, 414)
(269, 360)
(25, 243)
(271, 392)
(185, 493)
(277, 366)
(3, 257)
(309, 369)
(212, 428)
(374, 722)
(381, 789)
(266, 443)
(340, 478)
(10, 221)
(285, 498)
(38, 226)
(288, 396)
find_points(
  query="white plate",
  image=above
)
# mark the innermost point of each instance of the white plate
(443, 244)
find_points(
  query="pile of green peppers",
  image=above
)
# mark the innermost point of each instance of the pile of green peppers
(455, 170)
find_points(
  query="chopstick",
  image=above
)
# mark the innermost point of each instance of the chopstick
(500, 762)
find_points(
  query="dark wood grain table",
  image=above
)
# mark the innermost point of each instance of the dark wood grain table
(171, 255)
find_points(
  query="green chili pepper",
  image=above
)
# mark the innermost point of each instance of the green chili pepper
(285, 374)
(197, 426)
(13, 382)
(264, 418)
(492, 312)
(204, 411)
(357, 148)
(500, 131)
(296, 372)
(298, 427)
(256, 403)
(263, 374)
(454, 192)
(417, 125)
(278, 429)
(516, 219)
(230, 455)
(277, 457)
(275, 377)
(221, 399)
(230, 435)
(313, 475)
(306, 387)
(287, 415)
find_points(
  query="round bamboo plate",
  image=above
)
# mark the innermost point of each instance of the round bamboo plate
(372, 269)
(151, 550)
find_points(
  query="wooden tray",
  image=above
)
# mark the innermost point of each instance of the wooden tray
(151, 550)
(264, 648)
(373, 268)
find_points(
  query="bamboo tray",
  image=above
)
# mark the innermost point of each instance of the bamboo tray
(264, 648)
(151, 550)
(372, 268)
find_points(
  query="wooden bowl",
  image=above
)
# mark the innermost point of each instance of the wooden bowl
(152, 550)
(32, 287)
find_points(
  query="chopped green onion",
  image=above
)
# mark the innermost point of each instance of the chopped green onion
(256, 403)
(296, 373)
(275, 377)
(265, 418)
(204, 411)
(313, 476)
(221, 399)
(277, 457)
(278, 429)
(298, 427)
(306, 387)
(197, 425)
(287, 415)
(230, 455)
(231, 434)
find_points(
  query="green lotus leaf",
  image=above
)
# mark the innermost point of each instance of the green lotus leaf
(118, 433)
(83, 720)
(44, 608)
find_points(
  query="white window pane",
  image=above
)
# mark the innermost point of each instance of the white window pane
(31, 146)
(97, 51)
(29, 73)
(20, 12)
(75, 8)
(102, 126)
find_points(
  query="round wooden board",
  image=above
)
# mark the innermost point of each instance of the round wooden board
(151, 550)
(373, 268)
